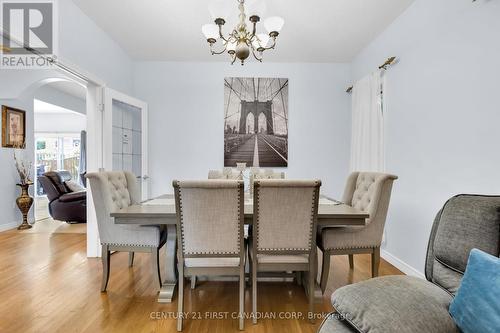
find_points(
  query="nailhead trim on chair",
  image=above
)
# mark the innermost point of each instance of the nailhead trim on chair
(211, 252)
(312, 217)
(256, 186)
(239, 214)
(351, 247)
(134, 245)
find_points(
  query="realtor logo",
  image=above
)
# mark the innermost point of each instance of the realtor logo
(27, 28)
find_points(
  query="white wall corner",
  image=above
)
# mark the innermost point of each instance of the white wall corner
(401, 265)
(9, 226)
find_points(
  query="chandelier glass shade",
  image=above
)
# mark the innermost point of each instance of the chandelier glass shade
(243, 39)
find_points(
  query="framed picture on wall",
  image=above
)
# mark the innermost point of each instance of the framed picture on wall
(256, 122)
(13, 127)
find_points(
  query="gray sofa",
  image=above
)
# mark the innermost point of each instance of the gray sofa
(408, 304)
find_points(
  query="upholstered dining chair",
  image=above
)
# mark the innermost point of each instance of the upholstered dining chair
(284, 229)
(226, 173)
(371, 193)
(259, 173)
(112, 191)
(210, 217)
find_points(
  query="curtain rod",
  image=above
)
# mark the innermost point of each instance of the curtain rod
(390, 61)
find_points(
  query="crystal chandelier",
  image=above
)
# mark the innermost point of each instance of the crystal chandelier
(241, 41)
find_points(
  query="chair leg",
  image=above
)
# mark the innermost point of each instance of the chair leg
(105, 257)
(130, 259)
(242, 297)
(375, 261)
(249, 272)
(325, 271)
(312, 280)
(254, 291)
(180, 297)
(193, 281)
(247, 254)
(298, 277)
(351, 261)
(155, 261)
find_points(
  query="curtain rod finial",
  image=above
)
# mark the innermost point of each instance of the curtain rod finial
(387, 63)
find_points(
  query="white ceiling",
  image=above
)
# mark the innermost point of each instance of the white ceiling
(314, 31)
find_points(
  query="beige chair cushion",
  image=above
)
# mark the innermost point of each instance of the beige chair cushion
(348, 238)
(282, 259)
(279, 259)
(212, 262)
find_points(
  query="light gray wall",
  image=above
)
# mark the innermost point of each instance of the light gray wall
(443, 112)
(85, 44)
(186, 118)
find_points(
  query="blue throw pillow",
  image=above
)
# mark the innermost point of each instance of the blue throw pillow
(476, 307)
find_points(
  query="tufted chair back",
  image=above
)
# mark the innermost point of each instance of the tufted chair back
(369, 192)
(112, 191)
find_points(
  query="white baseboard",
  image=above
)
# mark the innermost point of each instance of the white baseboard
(401, 265)
(8, 226)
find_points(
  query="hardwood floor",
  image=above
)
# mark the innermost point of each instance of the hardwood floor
(48, 285)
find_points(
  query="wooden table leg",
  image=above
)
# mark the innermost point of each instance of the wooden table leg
(318, 294)
(167, 290)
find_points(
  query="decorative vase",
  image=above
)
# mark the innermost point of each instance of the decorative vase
(24, 202)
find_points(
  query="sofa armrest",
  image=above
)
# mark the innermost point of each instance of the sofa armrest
(73, 196)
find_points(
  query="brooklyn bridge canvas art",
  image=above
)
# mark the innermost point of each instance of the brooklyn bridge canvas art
(256, 122)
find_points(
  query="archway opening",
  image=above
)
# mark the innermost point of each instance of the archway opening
(59, 137)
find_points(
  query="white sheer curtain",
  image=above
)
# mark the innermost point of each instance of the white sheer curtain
(367, 142)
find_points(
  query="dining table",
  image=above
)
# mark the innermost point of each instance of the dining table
(161, 211)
